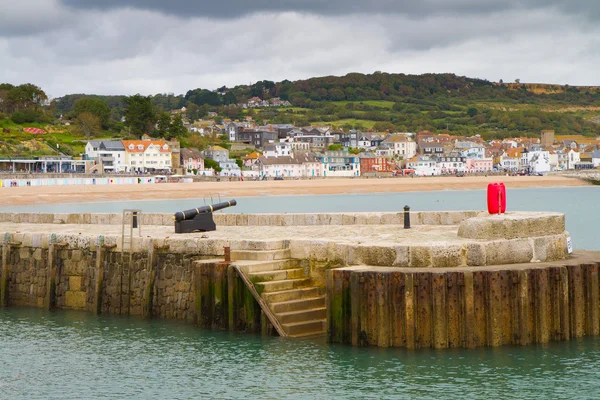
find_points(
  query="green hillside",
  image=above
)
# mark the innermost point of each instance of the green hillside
(378, 102)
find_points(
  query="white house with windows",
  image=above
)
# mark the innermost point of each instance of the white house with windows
(536, 161)
(400, 145)
(298, 165)
(508, 163)
(424, 166)
(147, 155)
(277, 149)
(110, 155)
(573, 157)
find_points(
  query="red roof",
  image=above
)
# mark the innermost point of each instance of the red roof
(35, 131)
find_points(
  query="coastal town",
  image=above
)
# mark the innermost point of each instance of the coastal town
(282, 151)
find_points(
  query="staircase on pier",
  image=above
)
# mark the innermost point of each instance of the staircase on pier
(286, 287)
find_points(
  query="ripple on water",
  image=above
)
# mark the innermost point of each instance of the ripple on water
(71, 355)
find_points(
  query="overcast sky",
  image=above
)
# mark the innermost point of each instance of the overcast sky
(160, 46)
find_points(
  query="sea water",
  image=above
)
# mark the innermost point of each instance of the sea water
(581, 205)
(77, 355)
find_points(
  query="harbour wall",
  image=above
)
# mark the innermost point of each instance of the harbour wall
(401, 295)
(463, 307)
(89, 274)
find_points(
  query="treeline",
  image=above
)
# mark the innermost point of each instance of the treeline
(24, 103)
(428, 92)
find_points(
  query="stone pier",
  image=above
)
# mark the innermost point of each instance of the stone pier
(455, 279)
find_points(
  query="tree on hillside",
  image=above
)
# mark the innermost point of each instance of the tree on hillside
(87, 124)
(384, 126)
(203, 96)
(94, 106)
(21, 98)
(164, 123)
(139, 114)
(177, 130)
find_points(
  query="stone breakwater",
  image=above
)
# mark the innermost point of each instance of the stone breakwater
(361, 277)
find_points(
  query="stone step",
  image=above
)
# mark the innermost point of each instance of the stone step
(294, 294)
(296, 305)
(302, 315)
(301, 328)
(261, 255)
(266, 276)
(263, 266)
(259, 244)
(277, 286)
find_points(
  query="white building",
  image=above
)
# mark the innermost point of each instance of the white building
(230, 168)
(508, 163)
(340, 164)
(109, 154)
(573, 158)
(147, 155)
(298, 165)
(537, 161)
(401, 145)
(596, 158)
(277, 149)
(424, 166)
(451, 165)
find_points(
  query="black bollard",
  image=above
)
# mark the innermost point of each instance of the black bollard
(134, 222)
(406, 217)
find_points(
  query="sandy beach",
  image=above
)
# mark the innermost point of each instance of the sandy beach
(162, 191)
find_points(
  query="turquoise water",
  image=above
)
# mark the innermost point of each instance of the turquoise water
(579, 204)
(75, 355)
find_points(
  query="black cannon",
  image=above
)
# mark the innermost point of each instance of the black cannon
(199, 219)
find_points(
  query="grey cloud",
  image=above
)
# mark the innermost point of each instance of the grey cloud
(30, 17)
(415, 9)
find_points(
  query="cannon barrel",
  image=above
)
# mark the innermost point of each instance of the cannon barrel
(191, 213)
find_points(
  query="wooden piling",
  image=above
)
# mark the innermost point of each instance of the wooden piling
(439, 312)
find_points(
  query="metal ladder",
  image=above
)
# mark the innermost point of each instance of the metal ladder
(132, 219)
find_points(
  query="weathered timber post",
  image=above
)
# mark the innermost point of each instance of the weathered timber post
(523, 307)
(576, 301)
(592, 325)
(383, 315)
(409, 292)
(440, 322)
(232, 299)
(469, 300)
(354, 309)
(329, 282)
(5, 270)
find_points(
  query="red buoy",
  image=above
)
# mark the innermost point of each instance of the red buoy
(496, 198)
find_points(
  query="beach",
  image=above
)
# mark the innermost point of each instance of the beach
(166, 191)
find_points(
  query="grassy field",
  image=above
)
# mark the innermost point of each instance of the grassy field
(374, 103)
(349, 121)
